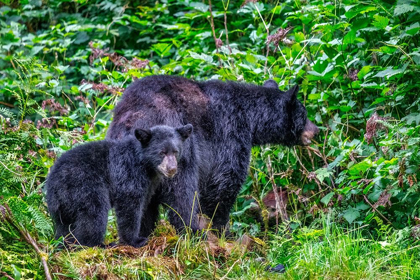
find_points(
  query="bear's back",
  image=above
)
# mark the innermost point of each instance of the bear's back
(159, 100)
(92, 157)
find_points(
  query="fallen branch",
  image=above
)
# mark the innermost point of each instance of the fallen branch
(6, 275)
(8, 216)
(374, 209)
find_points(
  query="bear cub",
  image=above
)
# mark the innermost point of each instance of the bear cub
(89, 180)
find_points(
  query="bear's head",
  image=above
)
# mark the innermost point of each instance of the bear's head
(162, 147)
(302, 126)
(302, 130)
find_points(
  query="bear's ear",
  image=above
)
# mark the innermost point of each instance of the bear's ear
(271, 84)
(185, 131)
(293, 91)
(143, 135)
(292, 94)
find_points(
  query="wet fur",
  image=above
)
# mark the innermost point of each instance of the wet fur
(228, 117)
(89, 180)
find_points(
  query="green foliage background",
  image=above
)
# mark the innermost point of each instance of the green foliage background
(64, 65)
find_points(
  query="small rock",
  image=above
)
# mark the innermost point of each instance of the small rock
(278, 268)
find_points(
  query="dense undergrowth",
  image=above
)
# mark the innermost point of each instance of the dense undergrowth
(64, 65)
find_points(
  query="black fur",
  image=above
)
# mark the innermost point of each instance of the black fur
(88, 180)
(228, 118)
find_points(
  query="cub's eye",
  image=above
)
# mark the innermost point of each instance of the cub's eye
(176, 152)
(162, 153)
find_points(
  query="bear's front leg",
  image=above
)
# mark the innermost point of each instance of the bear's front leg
(219, 189)
(129, 212)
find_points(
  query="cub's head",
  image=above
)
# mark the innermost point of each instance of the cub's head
(162, 146)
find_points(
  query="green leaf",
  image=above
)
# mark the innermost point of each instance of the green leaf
(251, 59)
(314, 96)
(81, 37)
(326, 199)
(380, 22)
(389, 72)
(61, 68)
(362, 73)
(413, 29)
(360, 167)
(370, 85)
(203, 57)
(323, 173)
(359, 10)
(162, 49)
(299, 37)
(403, 9)
(351, 214)
(313, 41)
(350, 37)
(412, 118)
(35, 50)
(199, 6)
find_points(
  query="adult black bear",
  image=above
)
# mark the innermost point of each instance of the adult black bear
(228, 119)
(88, 180)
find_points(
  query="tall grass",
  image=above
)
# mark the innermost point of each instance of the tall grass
(331, 252)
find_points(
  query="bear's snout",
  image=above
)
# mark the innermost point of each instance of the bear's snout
(309, 132)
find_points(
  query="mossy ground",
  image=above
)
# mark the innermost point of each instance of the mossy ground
(308, 253)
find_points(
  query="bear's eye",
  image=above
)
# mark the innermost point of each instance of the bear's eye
(162, 153)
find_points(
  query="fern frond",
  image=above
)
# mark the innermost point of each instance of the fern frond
(19, 210)
(4, 112)
(42, 223)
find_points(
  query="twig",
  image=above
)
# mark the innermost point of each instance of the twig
(306, 172)
(9, 169)
(214, 32)
(268, 33)
(280, 206)
(6, 275)
(226, 31)
(7, 104)
(374, 209)
(29, 239)
(11, 61)
(227, 273)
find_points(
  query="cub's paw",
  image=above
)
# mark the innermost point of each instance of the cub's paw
(136, 242)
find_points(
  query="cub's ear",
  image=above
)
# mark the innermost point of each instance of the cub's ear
(271, 84)
(143, 135)
(185, 131)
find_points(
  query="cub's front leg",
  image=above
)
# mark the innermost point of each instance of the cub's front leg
(129, 211)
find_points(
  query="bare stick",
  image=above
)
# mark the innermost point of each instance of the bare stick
(227, 273)
(226, 31)
(374, 209)
(268, 33)
(6, 275)
(280, 206)
(7, 104)
(214, 32)
(8, 216)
